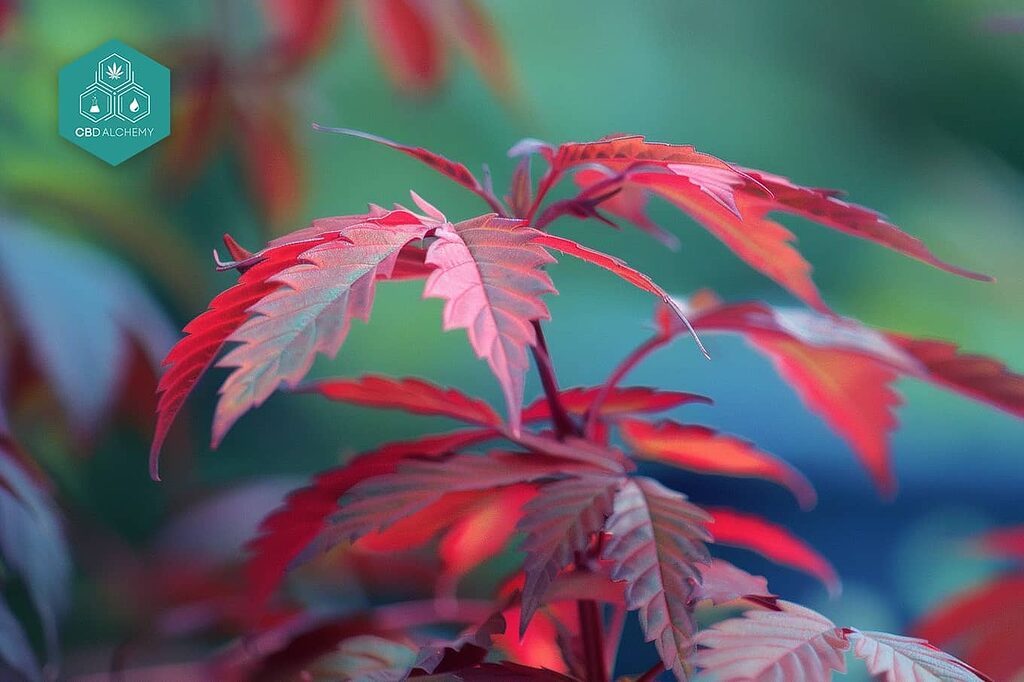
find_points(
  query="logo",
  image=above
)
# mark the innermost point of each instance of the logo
(114, 102)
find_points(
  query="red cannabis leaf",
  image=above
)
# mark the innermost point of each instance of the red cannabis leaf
(593, 532)
(411, 395)
(657, 540)
(771, 541)
(798, 643)
(490, 275)
(703, 450)
(844, 370)
(283, 311)
(729, 201)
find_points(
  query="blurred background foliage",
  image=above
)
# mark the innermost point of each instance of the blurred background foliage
(915, 108)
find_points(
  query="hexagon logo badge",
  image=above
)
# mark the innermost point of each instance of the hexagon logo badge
(114, 102)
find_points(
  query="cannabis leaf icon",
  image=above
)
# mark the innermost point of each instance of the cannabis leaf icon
(114, 72)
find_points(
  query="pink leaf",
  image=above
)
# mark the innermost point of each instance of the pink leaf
(892, 658)
(309, 312)
(560, 522)
(489, 273)
(657, 542)
(721, 582)
(794, 643)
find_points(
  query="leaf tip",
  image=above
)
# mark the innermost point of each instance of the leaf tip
(154, 460)
(677, 309)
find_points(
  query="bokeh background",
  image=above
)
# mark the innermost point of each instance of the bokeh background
(915, 108)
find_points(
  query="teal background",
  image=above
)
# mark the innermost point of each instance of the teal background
(913, 107)
(76, 77)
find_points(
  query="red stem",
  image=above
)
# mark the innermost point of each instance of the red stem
(493, 202)
(624, 368)
(543, 187)
(595, 663)
(561, 420)
(593, 641)
(653, 672)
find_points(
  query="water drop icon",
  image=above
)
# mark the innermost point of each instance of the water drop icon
(134, 106)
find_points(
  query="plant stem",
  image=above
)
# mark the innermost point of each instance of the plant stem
(593, 641)
(613, 636)
(624, 368)
(561, 420)
(543, 187)
(653, 672)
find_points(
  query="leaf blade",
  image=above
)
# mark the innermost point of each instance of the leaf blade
(489, 273)
(894, 658)
(409, 394)
(558, 523)
(704, 450)
(656, 545)
(790, 644)
(771, 541)
(309, 312)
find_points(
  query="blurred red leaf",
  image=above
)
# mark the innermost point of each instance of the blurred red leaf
(476, 35)
(537, 647)
(301, 29)
(771, 541)
(201, 108)
(53, 289)
(843, 370)
(704, 450)
(1005, 542)
(288, 531)
(407, 42)
(484, 531)
(8, 9)
(409, 394)
(271, 158)
(979, 624)
(625, 400)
